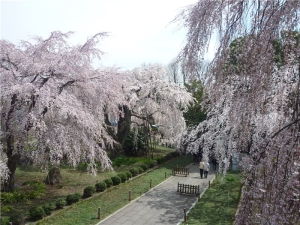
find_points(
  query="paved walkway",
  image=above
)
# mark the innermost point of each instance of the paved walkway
(162, 204)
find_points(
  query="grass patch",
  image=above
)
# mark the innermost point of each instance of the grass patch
(85, 212)
(219, 203)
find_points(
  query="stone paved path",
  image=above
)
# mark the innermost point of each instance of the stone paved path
(162, 204)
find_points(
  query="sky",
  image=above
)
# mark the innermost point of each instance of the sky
(139, 30)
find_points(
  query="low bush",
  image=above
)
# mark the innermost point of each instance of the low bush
(116, 180)
(6, 208)
(134, 171)
(49, 208)
(175, 154)
(8, 197)
(17, 218)
(39, 189)
(88, 191)
(144, 166)
(161, 160)
(82, 166)
(123, 160)
(128, 174)
(73, 198)
(169, 156)
(37, 213)
(60, 203)
(100, 187)
(152, 163)
(108, 182)
(123, 177)
(141, 170)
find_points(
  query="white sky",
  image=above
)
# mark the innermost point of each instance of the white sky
(140, 30)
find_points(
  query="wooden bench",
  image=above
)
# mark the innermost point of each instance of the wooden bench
(181, 170)
(188, 189)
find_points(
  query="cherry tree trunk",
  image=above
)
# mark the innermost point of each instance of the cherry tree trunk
(12, 163)
(124, 126)
(12, 158)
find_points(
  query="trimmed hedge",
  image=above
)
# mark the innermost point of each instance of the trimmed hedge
(134, 171)
(116, 180)
(152, 163)
(128, 173)
(141, 170)
(108, 182)
(160, 160)
(123, 177)
(73, 198)
(88, 191)
(175, 154)
(144, 167)
(60, 203)
(100, 187)
(37, 213)
(49, 208)
(17, 218)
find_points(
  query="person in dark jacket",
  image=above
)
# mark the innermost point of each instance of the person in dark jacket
(201, 167)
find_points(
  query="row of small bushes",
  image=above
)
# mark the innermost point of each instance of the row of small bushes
(39, 212)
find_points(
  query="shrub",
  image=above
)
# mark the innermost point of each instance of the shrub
(101, 186)
(134, 171)
(8, 197)
(129, 175)
(39, 189)
(144, 167)
(116, 180)
(160, 160)
(5, 208)
(17, 218)
(49, 208)
(60, 203)
(82, 166)
(175, 154)
(168, 156)
(123, 177)
(152, 163)
(108, 182)
(88, 191)
(141, 170)
(230, 179)
(36, 212)
(73, 198)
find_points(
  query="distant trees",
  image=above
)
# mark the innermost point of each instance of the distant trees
(252, 99)
(173, 73)
(195, 114)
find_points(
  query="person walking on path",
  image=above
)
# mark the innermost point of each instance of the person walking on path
(206, 169)
(201, 167)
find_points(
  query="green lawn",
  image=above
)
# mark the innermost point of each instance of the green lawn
(85, 212)
(219, 203)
